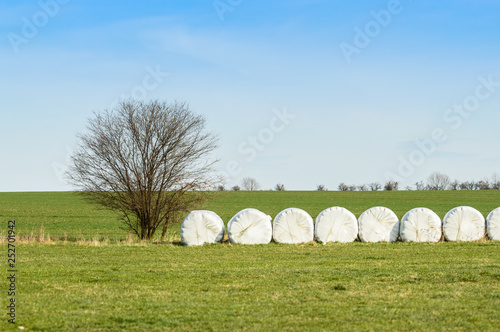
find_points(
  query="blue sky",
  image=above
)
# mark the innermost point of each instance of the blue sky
(343, 116)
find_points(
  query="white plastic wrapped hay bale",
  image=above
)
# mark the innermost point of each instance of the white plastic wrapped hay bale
(464, 223)
(336, 224)
(420, 225)
(250, 226)
(201, 227)
(293, 226)
(378, 224)
(493, 225)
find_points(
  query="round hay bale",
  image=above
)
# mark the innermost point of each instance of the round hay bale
(336, 224)
(293, 226)
(420, 225)
(378, 224)
(464, 223)
(201, 227)
(250, 226)
(493, 224)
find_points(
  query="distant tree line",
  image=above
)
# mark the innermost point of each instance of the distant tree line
(374, 186)
(436, 181)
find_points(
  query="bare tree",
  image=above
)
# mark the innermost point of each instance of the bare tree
(343, 187)
(280, 187)
(375, 186)
(363, 187)
(438, 181)
(321, 187)
(455, 185)
(236, 188)
(495, 181)
(391, 185)
(221, 187)
(468, 185)
(250, 184)
(420, 185)
(483, 185)
(147, 161)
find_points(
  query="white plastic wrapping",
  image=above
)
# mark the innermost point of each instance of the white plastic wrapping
(378, 224)
(421, 225)
(493, 224)
(293, 226)
(201, 227)
(464, 224)
(336, 224)
(250, 226)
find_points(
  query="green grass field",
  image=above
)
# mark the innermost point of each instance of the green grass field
(66, 213)
(115, 284)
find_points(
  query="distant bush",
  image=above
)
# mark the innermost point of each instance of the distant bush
(391, 186)
(321, 187)
(279, 187)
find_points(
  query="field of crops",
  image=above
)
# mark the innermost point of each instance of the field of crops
(89, 277)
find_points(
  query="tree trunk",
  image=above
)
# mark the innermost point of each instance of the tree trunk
(164, 232)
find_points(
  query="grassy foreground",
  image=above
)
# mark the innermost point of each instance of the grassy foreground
(444, 286)
(113, 285)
